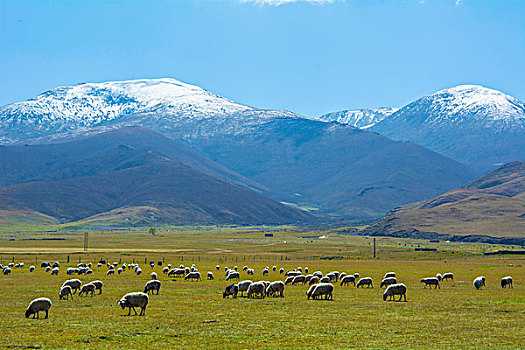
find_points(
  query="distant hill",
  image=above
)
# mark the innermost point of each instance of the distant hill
(480, 127)
(359, 118)
(344, 172)
(490, 208)
(78, 180)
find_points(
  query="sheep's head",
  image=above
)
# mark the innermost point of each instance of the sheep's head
(28, 313)
(384, 296)
(122, 303)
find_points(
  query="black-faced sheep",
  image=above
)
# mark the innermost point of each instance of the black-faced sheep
(289, 279)
(132, 300)
(395, 289)
(37, 305)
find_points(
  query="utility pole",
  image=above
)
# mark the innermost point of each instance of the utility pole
(374, 247)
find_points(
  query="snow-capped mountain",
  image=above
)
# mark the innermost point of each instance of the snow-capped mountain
(78, 107)
(475, 125)
(359, 118)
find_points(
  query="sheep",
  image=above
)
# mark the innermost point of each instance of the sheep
(395, 289)
(356, 275)
(346, 280)
(87, 288)
(448, 275)
(306, 270)
(431, 281)
(54, 271)
(98, 286)
(266, 284)
(326, 279)
(6, 271)
(152, 264)
(153, 285)
(365, 281)
(48, 268)
(71, 271)
(232, 290)
(292, 273)
(56, 264)
(281, 270)
(289, 279)
(479, 282)
(45, 264)
(31, 268)
(439, 277)
(243, 286)
(11, 265)
(75, 284)
(265, 272)
(387, 282)
(65, 292)
(233, 275)
(217, 267)
(193, 276)
(138, 271)
(165, 270)
(314, 280)
(176, 272)
(110, 272)
(37, 305)
(389, 274)
(256, 289)
(210, 275)
(506, 281)
(99, 265)
(119, 270)
(308, 278)
(250, 272)
(235, 268)
(342, 275)
(274, 268)
(318, 274)
(187, 270)
(317, 291)
(335, 274)
(153, 275)
(275, 289)
(299, 279)
(132, 300)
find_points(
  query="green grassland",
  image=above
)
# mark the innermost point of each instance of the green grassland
(193, 315)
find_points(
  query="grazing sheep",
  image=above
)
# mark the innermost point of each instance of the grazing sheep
(274, 268)
(395, 289)
(243, 286)
(153, 285)
(65, 292)
(289, 279)
(152, 264)
(275, 289)
(210, 275)
(439, 277)
(250, 272)
(56, 264)
(233, 275)
(48, 268)
(506, 281)
(31, 268)
(99, 265)
(335, 274)
(292, 273)
(232, 290)
(281, 270)
(110, 272)
(45, 264)
(75, 284)
(256, 289)
(346, 280)
(356, 275)
(176, 272)
(138, 271)
(11, 265)
(193, 276)
(119, 270)
(235, 268)
(244, 268)
(317, 291)
(165, 270)
(387, 281)
(87, 288)
(326, 279)
(314, 280)
(187, 270)
(308, 278)
(153, 275)
(365, 281)
(265, 272)
(132, 300)
(318, 274)
(479, 282)
(306, 270)
(389, 274)
(448, 275)
(37, 305)
(431, 281)
(342, 275)
(299, 279)
(6, 271)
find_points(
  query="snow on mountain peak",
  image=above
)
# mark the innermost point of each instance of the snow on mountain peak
(359, 118)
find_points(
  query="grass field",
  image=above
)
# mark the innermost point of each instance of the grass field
(194, 315)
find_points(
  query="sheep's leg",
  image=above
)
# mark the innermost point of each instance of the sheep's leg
(47, 313)
(129, 313)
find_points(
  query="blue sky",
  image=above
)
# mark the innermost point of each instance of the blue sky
(310, 58)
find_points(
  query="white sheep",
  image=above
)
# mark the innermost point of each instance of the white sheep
(54, 271)
(232, 275)
(439, 277)
(431, 281)
(243, 286)
(232, 290)
(479, 282)
(210, 275)
(389, 274)
(448, 275)
(276, 289)
(65, 292)
(326, 279)
(75, 284)
(153, 275)
(37, 305)
(387, 282)
(87, 288)
(318, 274)
(119, 270)
(346, 280)
(281, 270)
(250, 272)
(257, 289)
(365, 281)
(98, 285)
(317, 291)
(110, 272)
(135, 299)
(193, 276)
(289, 279)
(395, 289)
(314, 280)
(31, 268)
(506, 281)
(217, 267)
(299, 279)
(153, 285)
(165, 270)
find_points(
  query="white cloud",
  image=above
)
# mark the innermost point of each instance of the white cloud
(282, 2)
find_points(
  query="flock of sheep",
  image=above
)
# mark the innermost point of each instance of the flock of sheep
(320, 286)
